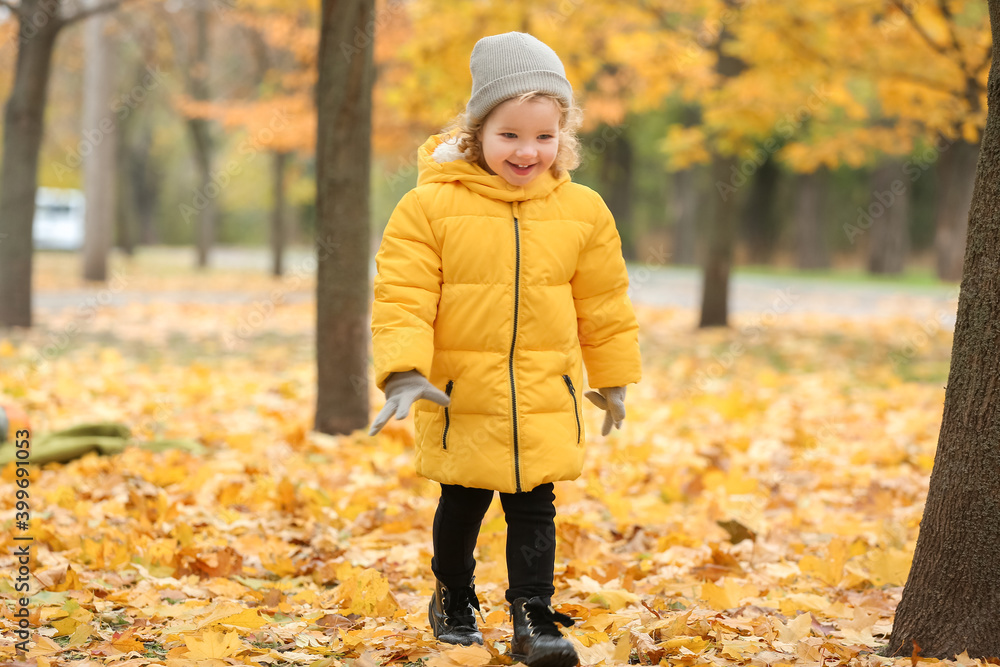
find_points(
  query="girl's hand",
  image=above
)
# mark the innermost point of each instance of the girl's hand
(401, 391)
(612, 400)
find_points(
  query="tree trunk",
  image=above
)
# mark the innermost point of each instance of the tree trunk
(100, 132)
(22, 131)
(343, 162)
(811, 250)
(721, 236)
(278, 233)
(616, 173)
(890, 213)
(721, 223)
(201, 139)
(145, 183)
(684, 211)
(956, 176)
(760, 217)
(136, 187)
(951, 597)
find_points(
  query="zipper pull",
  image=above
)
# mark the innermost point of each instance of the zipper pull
(569, 383)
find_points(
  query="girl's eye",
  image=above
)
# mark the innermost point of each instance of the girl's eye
(509, 135)
(544, 137)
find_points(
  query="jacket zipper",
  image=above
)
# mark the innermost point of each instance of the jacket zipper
(576, 408)
(513, 340)
(447, 418)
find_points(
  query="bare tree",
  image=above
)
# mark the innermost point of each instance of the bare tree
(99, 169)
(811, 251)
(951, 597)
(889, 241)
(956, 175)
(39, 24)
(343, 158)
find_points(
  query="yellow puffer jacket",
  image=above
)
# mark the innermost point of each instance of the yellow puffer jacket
(496, 294)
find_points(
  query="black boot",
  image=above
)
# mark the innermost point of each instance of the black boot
(452, 614)
(537, 641)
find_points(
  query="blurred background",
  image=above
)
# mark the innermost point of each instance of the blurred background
(832, 136)
(190, 273)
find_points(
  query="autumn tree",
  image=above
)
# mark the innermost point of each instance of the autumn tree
(721, 221)
(191, 38)
(343, 159)
(39, 24)
(99, 165)
(954, 54)
(949, 603)
(276, 110)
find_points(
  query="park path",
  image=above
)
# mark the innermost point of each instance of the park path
(678, 287)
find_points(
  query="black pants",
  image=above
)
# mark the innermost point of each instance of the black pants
(531, 538)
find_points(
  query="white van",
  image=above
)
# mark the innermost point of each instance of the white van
(59, 219)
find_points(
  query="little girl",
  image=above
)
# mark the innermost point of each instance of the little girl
(498, 280)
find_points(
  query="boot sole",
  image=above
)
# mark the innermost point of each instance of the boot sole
(550, 660)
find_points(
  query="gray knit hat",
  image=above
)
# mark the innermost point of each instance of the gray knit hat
(511, 64)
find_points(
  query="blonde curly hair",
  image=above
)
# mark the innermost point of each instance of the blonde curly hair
(567, 155)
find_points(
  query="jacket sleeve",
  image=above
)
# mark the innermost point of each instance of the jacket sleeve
(608, 330)
(407, 291)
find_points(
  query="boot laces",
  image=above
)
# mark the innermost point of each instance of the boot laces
(542, 618)
(459, 604)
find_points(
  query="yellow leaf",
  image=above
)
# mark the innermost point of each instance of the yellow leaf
(889, 567)
(796, 630)
(43, 646)
(222, 610)
(728, 595)
(366, 593)
(473, 656)
(623, 648)
(213, 645)
(80, 635)
(65, 626)
(613, 599)
(248, 618)
(794, 602)
(830, 569)
(126, 642)
(597, 622)
(591, 638)
(737, 648)
(675, 645)
(70, 583)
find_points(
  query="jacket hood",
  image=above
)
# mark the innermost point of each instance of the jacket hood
(439, 161)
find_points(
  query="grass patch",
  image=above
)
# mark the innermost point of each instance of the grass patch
(913, 277)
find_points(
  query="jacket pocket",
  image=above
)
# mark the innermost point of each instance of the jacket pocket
(447, 416)
(576, 407)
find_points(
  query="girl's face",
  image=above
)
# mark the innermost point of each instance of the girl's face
(520, 139)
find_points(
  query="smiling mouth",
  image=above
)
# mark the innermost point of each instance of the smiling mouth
(522, 167)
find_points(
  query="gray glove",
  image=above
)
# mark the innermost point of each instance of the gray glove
(401, 391)
(611, 399)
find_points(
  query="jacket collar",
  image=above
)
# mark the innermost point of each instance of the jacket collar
(439, 161)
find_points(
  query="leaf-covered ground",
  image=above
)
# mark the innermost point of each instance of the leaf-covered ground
(759, 507)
